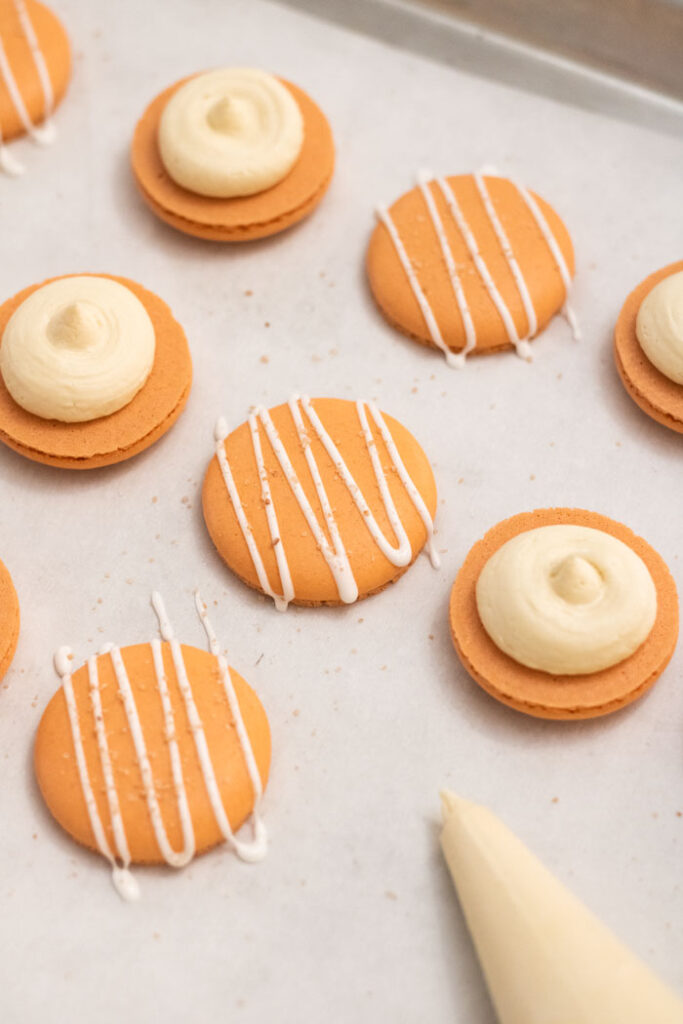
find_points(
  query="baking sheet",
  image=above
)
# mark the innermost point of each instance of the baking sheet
(352, 916)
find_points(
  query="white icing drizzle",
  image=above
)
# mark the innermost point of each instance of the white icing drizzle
(110, 785)
(120, 861)
(423, 179)
(335, 556)
(176, 860)
(257, 849)
(521, 344)
(557, 255)
(47, 127)
(508, 252)
(45, 133)
(124, 882)
(453, 359)
(281, 602)
(283, 568)
(334, 553)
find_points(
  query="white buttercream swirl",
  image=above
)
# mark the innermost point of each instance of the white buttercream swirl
(77, 348)
(566, 599)
(659, 326)
(230, 132)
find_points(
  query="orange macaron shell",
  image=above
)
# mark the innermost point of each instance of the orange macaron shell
(9, 619)
(54, 44)
(239, 218)
(126, 432)
(312, 578)
(541, 694)
(659, 397)
(394, 296)
(57, 770)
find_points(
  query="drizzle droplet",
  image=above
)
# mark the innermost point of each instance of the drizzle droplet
(254, 851)
(9, 164)
(523, 349)
(125, 884)
(456, 360)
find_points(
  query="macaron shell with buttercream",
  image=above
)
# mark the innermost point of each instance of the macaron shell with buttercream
(9, 619)
(541, 694)
(659, 397)
(54, 44)
(242, 218)
(130, 430)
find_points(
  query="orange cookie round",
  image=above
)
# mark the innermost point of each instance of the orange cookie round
(659, 397)
(241, 218)
(317, 513)
(9, 619)
(53, 44)
(109, 439)
(56, 757)
(506, 284)
(542, 694)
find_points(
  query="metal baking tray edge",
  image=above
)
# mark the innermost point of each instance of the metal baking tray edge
(448, 39)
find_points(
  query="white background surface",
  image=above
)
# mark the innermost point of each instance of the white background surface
(352, 917)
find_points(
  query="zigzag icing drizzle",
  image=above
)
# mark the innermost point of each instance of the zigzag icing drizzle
(335, 554)
(119, 857)
(521, 344)
(45, 133)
